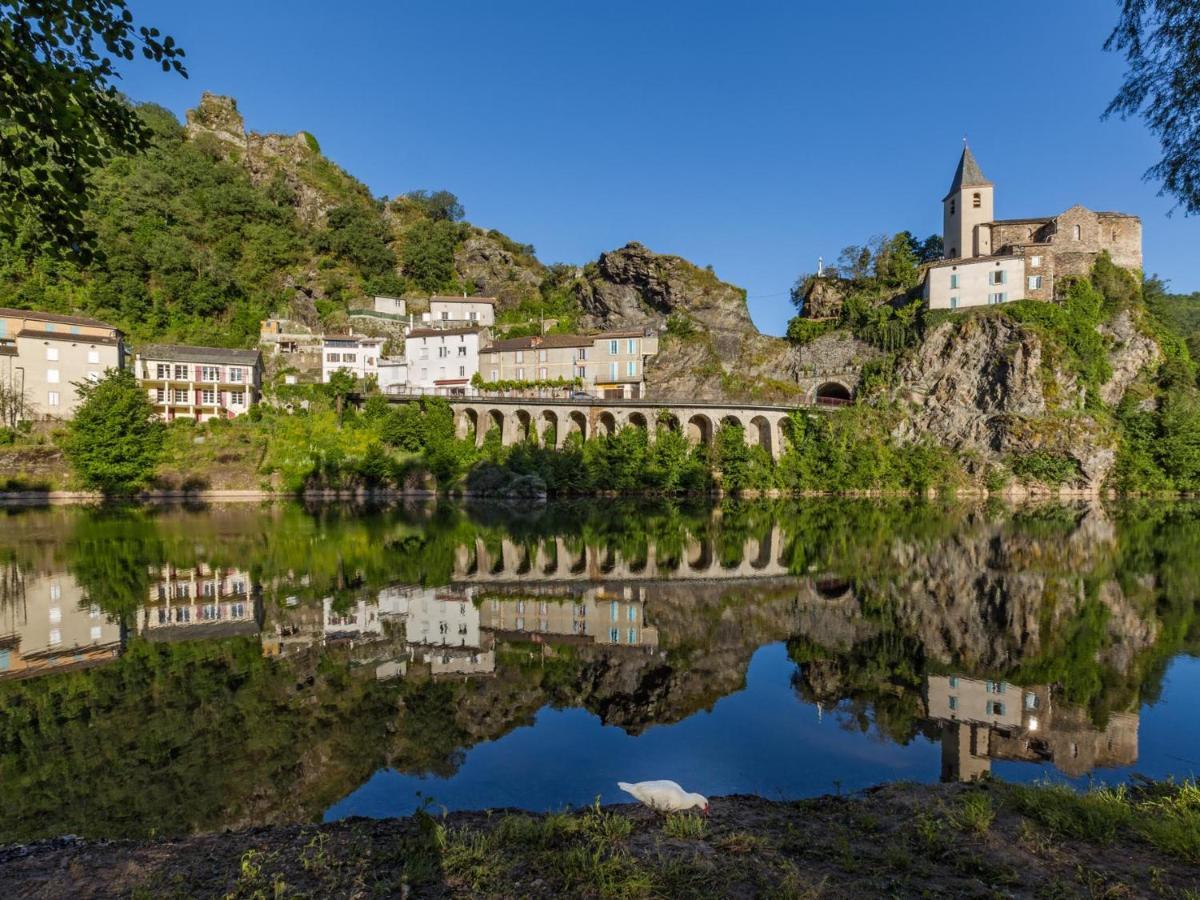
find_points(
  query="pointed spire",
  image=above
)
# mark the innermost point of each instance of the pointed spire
(968, 173)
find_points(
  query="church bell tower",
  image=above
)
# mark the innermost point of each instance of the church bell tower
(967, 206)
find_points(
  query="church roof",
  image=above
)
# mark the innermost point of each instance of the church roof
(968, 174)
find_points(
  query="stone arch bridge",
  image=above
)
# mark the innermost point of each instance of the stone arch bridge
(536, 419)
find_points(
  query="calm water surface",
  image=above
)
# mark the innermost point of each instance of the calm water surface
(166, 671)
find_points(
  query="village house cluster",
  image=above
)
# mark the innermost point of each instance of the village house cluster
(445, 346)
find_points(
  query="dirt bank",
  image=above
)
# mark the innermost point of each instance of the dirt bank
(989, 840)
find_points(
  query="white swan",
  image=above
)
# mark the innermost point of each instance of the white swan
(665, 796)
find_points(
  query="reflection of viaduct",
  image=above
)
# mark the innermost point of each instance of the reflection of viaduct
(521, 419)
(560, 559)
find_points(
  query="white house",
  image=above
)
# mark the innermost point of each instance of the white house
(358, 355)
(441, 360)
(392, 306)
(979, 281)
(475, 310)
(393, 374)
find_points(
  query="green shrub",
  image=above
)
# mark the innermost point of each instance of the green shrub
(1045, 466)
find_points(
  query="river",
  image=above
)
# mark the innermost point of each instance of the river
(171, 670)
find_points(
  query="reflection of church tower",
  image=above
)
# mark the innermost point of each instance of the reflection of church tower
(966, 207)
(965, 751)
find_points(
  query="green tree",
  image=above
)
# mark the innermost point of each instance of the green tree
(115, 440)
(428, 254)
(1160, 40)
(439, 206)
(61, 115)
(340, 386)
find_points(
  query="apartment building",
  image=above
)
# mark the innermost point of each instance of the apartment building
(357, 354)
(450, 311)
(44, 355)
(611, 364)
(442, 360)
(201, 383)
(199, 602)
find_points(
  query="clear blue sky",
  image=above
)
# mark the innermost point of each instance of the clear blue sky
(754, 137)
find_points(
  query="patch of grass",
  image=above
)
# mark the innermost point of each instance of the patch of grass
(1094, 816)
(1169, 819)
(741, 843)
(975, 814)
(606, 827)
(687, 826)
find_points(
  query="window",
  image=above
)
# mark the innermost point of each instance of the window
(951, 206)
(52, 398)
(994, 708)
(210, 373)
(474, 317)
(612, 371)
(181, 373)
(521, 374)
(953, 703)
(1077, 232)
(97, 632)
(462, 371)
(181, 395)
(633, 635)
(581, 371)
(999, 276)
(995, 299)
(495, 375)
(237, 375)
(953, 681)
(162, 370)
(333, 357)
(954, 303)
(443, 352)
(614, 609)
(75, 328)
(52, 376)
(445, 316)
(614, 635)
(1035, 282)
(631, 346)
(1031, 700)
(631, 368)
(237, 398)
(954, 281)
(612, 348)
(542, 373)
(208, 397)
(50, 326)
(582, 354)
(976, 200)
(55, 594)
(462, 350)
(94, 357)
(953, 253)
(520, 356)
(160, 395)
(1035, 261)
(350, 357)
(52, 354)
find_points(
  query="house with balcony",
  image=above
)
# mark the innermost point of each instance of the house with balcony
(453, 312)
(200, 383)
(44, 355)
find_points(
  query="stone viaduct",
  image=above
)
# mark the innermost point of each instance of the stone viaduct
(531, 418)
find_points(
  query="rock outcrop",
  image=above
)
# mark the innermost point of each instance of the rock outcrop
(980, 386)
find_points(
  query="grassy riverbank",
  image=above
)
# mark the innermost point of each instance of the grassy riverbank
(985, 840)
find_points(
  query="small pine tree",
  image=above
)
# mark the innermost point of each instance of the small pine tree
(114, 441)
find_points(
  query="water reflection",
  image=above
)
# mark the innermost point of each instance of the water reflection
(336, 657)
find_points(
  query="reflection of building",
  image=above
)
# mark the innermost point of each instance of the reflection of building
(988, 720)
(359, 620)
(596, 616)
(199, 602)
(442, 628)
(47, 625)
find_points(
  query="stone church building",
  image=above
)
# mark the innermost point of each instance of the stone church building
(989, 260)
